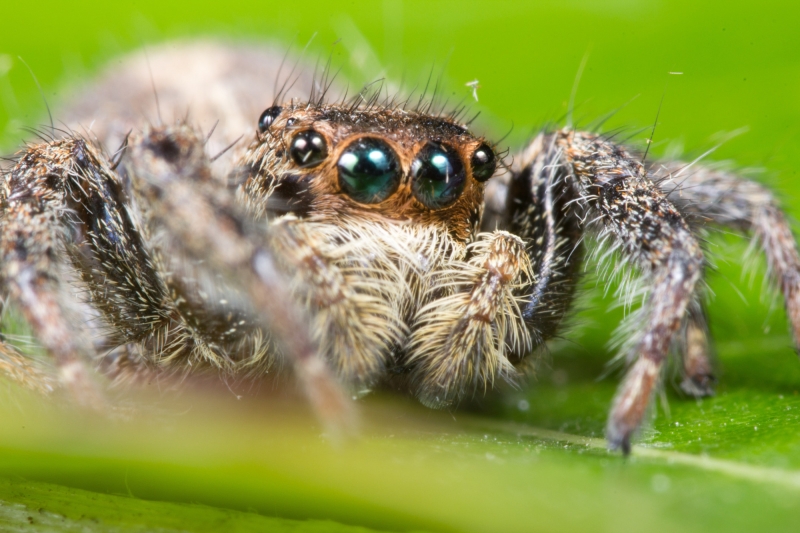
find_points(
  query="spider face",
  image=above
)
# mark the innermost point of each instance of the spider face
(389, 164)
(346, 239)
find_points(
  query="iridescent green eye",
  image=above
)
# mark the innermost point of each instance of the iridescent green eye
(308, 148)
(483, 162)
(369, 171)
(438, 175)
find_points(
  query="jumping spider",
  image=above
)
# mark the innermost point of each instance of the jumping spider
(386, 244)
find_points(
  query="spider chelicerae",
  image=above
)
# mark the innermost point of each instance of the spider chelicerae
(364, 242)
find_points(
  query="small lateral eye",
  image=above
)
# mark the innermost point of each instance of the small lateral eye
(369, 171)
(268, 117)
(483, 162)
(308, 148)
(438, 175)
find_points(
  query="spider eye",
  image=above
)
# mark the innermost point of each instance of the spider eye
(308, 148)
(268, 117)
(368, 170)
(484, 163)
(438, 174)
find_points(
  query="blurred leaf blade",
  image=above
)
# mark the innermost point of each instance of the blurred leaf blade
(429, 473)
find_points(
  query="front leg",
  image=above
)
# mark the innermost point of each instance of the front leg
(600, 186)
(170, 172)
(353, 322)
(534, 201)
(462, 342)
(617, 194)
(34, 201)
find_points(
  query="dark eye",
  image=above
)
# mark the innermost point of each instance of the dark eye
(267, 118)
(308, 148)
(368, 170)
(438, 174)
(484, 163)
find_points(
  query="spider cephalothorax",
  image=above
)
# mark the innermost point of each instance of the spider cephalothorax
(330, 161)
(382, 243)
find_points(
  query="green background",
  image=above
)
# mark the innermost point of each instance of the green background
(729, 463)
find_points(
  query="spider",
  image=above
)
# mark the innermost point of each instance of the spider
(363, 243)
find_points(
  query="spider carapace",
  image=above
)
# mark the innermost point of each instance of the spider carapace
(365, 242)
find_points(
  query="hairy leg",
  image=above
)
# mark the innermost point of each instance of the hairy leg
(604, 188)
(648, 229)
(23, 369)
(33, 203)
(170, 172)
(533, 202)
(86, 198)
(721, 198)
(65, 188)
(83, 213)
(355, 325)
(462, 342)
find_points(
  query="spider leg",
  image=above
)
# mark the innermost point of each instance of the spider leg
(533, 201)
(170, 173)
(24, 370)
(693, 346)
(351, 317)
(64, 192)
(83, 205)
(459, 343)
(647, 228)
(721, 198)
(33, 199)
(608, 189)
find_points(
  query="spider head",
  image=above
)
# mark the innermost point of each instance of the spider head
(337, 161)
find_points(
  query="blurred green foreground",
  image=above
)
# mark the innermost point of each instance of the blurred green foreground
(730, 464)
(530, 460)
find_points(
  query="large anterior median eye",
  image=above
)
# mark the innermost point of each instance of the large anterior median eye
(438, 175)
(368, 170)
(308, 148)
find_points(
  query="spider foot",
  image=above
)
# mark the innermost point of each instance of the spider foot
(631, 403)
(699, 386)
(334, 409)
(619, 439)
(698, 369)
